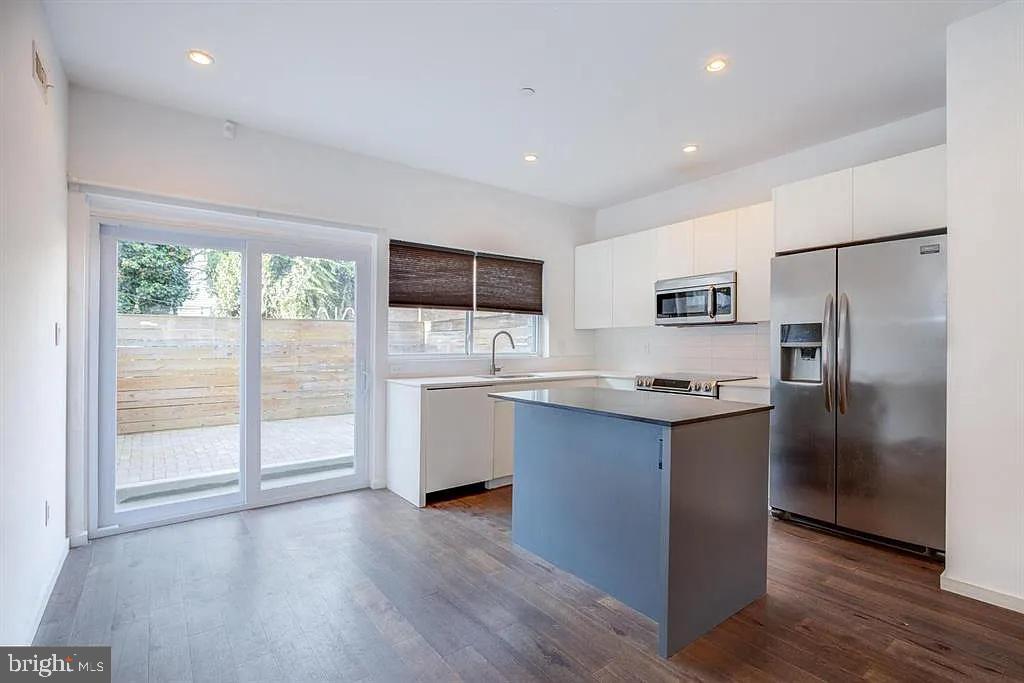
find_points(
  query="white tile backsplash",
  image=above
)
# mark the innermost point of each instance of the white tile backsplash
(725, 348)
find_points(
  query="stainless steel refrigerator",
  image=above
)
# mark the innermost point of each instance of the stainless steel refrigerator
(859, 385)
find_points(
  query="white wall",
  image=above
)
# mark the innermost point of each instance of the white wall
(741, 349)
(122, 143)
(33, 272)
(753, 184)
(985, 439)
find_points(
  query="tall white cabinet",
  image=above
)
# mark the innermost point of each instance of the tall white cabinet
(633, 276)
(755, 247)
(593, 285)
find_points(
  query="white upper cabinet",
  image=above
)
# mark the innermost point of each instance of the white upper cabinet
(902, 194)
(633, 275)
(593, 285)
(714, 243)
(815, 212)
(755, 246)
(673, 250)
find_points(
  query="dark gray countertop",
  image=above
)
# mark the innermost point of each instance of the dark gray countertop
(669, 410)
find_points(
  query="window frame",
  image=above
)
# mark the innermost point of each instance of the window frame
(469, 353)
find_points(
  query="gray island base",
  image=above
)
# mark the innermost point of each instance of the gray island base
(658, 500)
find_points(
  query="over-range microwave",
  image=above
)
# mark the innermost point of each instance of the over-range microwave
(696, 300)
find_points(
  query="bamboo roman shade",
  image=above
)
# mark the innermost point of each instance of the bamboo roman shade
(505, 283)
(438, 277)
(430, 277)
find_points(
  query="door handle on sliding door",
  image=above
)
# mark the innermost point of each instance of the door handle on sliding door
(843, 353)
(827, 361)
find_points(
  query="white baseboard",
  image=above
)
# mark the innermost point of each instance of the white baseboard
(50, 585)
(378, 484)
(970, 590)
(499, 482)
(79, 539)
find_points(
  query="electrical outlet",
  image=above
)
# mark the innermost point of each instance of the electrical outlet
(46, 514)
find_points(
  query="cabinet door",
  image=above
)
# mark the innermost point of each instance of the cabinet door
(815, 212)
(755, 247)
(593, 285)
(503, 447)
(744, 394)
(619, 383)
(504, 439)
(714, 243)
(902, 194)
(673, 250)
(633, 279)
(458, 436)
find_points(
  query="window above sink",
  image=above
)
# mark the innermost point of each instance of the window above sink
(438, 332)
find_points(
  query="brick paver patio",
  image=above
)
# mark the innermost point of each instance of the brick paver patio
(153, 456)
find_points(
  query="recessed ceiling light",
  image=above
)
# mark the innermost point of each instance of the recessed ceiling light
(715, 65)
(530, 157)
(690, 149)
(201, 58)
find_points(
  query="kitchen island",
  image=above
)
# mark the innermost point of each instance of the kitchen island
(660, 500)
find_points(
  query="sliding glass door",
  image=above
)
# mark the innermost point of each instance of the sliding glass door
(311, 370)
(231, 373)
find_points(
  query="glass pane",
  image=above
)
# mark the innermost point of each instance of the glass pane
(426, 330)
(683, 304)
(723, 300)
(523, 329)
(178, 365)
(308, 377)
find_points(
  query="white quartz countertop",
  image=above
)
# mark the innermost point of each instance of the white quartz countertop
(479, 381)
(756, 383)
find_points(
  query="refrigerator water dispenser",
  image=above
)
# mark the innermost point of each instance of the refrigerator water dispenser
(801, 353)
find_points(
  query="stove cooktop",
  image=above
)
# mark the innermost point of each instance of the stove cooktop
(689, 383)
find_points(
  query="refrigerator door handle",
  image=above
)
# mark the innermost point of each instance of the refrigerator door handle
(843, 359)
(827, 368)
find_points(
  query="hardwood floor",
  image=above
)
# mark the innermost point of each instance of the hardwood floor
(362, 586)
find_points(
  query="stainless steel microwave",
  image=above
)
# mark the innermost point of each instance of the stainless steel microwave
(696, 300)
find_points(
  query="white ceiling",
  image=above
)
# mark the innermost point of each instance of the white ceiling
(620, 86)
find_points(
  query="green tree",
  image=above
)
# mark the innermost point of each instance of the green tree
(152, 278)
(224, 277)
(293, 286)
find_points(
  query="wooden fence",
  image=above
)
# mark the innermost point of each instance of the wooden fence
(175, 372)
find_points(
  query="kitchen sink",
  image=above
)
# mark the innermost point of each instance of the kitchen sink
(508, 376)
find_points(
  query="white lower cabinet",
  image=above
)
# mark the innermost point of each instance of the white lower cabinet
(503, 444)
(457, 422)
(744, 394)
(442, 437)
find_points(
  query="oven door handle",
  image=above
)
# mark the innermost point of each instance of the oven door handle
(711, 302)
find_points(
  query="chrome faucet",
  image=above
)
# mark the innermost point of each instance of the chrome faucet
(494, 343)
